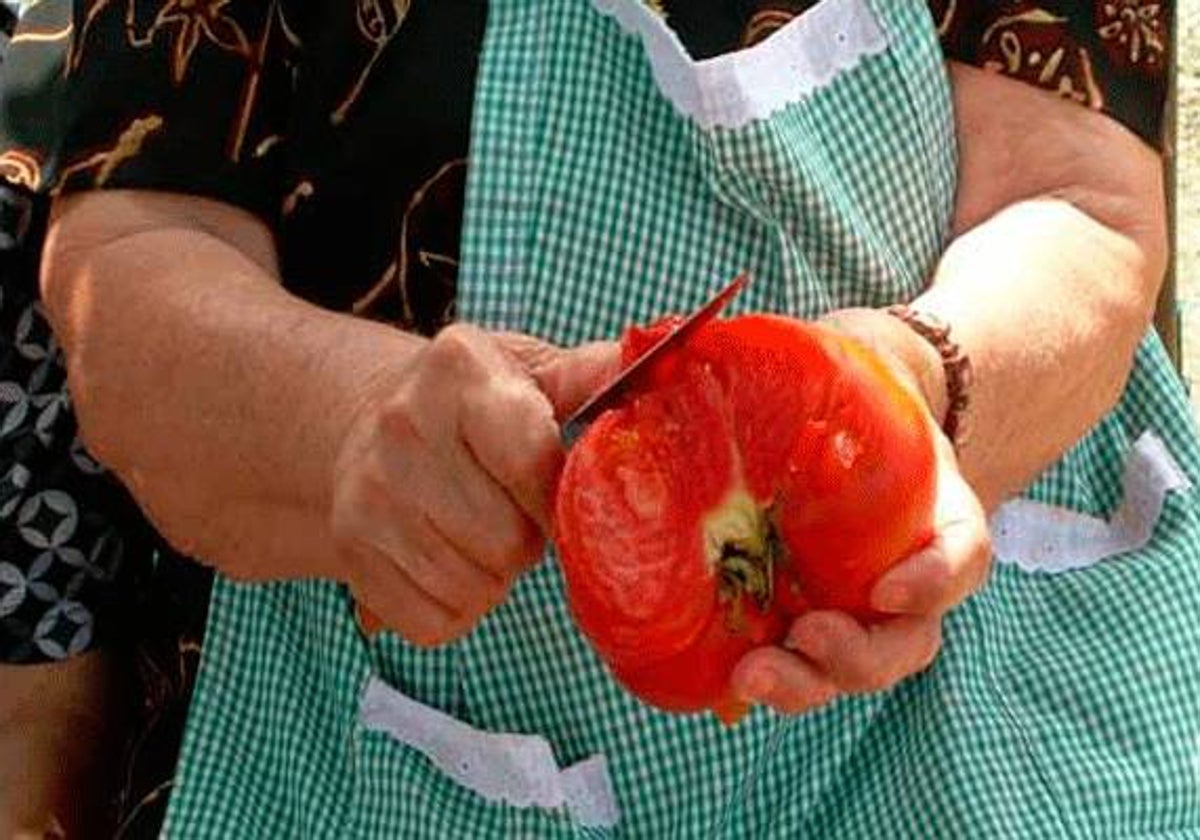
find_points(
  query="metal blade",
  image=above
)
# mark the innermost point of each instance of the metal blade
(611, 393)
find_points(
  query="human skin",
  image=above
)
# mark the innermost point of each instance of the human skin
(61, 738)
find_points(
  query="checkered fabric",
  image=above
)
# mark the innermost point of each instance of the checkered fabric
(1062, 706)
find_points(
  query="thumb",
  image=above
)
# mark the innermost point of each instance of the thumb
(566, 375)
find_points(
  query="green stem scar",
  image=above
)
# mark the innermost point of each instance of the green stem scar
(742, 549)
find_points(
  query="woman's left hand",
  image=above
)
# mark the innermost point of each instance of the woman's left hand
(827, 653)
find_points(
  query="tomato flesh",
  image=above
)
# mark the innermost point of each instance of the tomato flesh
(765, 467)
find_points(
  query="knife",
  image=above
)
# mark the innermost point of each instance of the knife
(611, 393)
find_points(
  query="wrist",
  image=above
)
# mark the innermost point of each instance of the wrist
(362, 363)
(944, 371)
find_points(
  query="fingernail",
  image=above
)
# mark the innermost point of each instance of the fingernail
(759, 685)
(892, 597)
(809, 640)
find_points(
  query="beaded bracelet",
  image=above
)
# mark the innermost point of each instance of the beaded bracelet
(955, 363)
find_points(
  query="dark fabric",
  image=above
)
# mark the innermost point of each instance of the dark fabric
(71, 539)
(1109, 55)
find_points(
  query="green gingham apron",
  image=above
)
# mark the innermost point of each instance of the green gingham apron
(614, 180)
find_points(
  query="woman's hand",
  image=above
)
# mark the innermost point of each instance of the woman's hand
(827, 653)
(443, 486)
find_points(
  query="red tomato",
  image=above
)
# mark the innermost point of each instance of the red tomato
(765, 467)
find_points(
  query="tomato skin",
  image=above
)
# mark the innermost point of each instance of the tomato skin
(761, 437)
(697, 678)
(873, 459)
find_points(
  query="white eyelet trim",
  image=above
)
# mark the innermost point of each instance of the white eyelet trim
(518, 770)
(732, 90)
(1040, 538)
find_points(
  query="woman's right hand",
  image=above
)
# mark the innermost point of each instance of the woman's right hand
(442, 488)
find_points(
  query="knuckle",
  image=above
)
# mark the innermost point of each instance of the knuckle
(523, 412)
(477, 606)
(507, 547)
(415, 565)
(979, 579)
(815, 700)
(533, 463)
(397, 420)
(364, 501)
(423, 637)
(483, 589)
(529, 406)
(983, 553)
(522, 548)
(875, 679)
(494, 592)
(985, 547)
(790, 705)
(544, 447)
(458, 625)
(351, 560)
(795, 702)
(865, 676)
(374, 490)
(980, 566)
(456, 347)
(504, 554)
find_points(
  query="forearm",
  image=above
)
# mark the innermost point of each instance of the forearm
(1051, 305)
(215, 395)
(1052, 279)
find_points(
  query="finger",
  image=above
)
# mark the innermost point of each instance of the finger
(414, 546)
(368, 621)
(865, 659)
(511, 388)
(509, 428)
(397, 602)
(429, 473)
(568, 377)
(481, 519)
(379, 509)
(952, 567)
(782, 680)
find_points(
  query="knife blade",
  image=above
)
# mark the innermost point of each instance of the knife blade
(611, 393)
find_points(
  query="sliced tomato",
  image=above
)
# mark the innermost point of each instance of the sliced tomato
(765, 467)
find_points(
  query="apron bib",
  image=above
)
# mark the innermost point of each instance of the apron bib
(614, 179)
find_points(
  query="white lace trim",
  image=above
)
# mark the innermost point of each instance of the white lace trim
(1040, 538)
(732, 90)
(515, 769)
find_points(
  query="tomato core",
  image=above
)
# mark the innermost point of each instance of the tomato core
(742, 549)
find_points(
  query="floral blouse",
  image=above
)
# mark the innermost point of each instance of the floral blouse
(344, 125)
